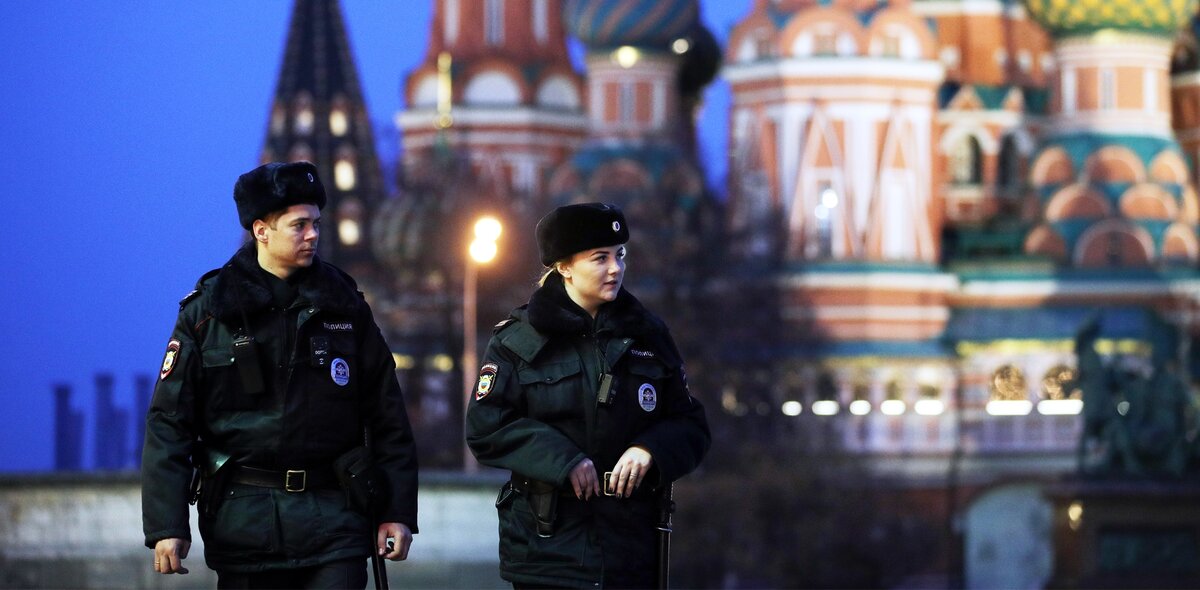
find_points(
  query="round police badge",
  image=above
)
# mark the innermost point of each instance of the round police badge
(647, 397)
(487, 378)
(339, 369)
(168, 363)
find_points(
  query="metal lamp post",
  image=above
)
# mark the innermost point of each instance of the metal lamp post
(482, 250)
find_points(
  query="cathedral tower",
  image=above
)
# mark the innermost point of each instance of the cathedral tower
(318, 114)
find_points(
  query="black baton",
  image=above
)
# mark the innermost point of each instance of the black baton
(666, 507)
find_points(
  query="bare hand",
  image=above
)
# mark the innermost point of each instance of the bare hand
(169, 555)
(630, 469)
(400, 533)
(584, 481)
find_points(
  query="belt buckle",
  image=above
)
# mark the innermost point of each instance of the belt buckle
(609, 490)
(287, 480)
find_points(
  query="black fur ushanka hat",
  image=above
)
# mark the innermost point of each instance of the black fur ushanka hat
(575, 228)
(275, 186)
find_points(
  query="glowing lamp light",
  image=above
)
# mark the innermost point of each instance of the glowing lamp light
(829, 198)
(860, 407)
(929, 407)
(482, 252)
(791, 408)
(893, 407)
(1009, 407)
(441, 362)
(483, 249)
(825, 407)
(1075, 515)
(1060, 407)
(680, 46)
(626, 56)
(488, 229)
(349, 232)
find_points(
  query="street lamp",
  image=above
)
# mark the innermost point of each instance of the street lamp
(482, 250)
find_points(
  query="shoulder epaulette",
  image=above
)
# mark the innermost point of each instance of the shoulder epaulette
(199, 288)
(190, 296)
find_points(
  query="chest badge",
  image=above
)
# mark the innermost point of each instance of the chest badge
(487, 378)
(339, 370)
(648, 397)
(169, 359)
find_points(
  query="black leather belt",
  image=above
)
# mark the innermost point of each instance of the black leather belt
(291, 480)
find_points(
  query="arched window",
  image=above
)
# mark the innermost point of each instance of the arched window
(966, 166)
(1008, 177)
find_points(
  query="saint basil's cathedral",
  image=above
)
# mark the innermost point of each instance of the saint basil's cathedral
(926, 201)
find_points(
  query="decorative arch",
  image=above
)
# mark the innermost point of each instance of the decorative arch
(1114, 242)
(966, 161)
(422, 89)
(1180, 244)
(952, 136)
(1148, 201)
(1052, 166)
(1189, 209)
(801, 36)
(1044, 241)
(559, 90)
(493, 81)
(621, 174)
(1168, 167)
(1114, 163)
(1077, 201)
(751, 39)
(915, 40)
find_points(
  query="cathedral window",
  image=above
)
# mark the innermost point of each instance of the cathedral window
(825, 43)
(891, 46)
(344, 175)
(825, 213)
(304, 121)
(451, 21)
(1008, 177)
(338, 122)
(1108, 89)
(966, 166)
(541, 29)
(493, 22)
(627, 102)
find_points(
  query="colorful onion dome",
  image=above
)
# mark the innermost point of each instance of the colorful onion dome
(1063, 18)
(642, 23)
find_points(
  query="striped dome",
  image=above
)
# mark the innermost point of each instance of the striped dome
(1078, 17)
(641, 23)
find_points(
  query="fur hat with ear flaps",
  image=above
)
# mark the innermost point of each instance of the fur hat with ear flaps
(575, 228)
(275, 186)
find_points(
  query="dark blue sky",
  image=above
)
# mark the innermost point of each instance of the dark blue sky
(123, 126)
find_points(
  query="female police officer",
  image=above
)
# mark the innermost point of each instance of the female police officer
(582, 395)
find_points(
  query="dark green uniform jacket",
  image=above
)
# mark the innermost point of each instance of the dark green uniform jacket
(535, 412)
(313, 409)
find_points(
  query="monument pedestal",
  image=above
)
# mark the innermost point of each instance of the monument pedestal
(1125, 534)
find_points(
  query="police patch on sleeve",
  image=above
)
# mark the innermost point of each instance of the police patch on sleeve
(487, 379)
(169, 359)
(647, 397)
(339, 370)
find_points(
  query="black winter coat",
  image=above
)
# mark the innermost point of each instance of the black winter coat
(308, 415)
(534, 411)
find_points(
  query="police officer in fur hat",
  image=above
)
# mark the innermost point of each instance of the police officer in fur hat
(582, 396)
(274, 374)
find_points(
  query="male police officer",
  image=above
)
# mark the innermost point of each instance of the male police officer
(273, 375)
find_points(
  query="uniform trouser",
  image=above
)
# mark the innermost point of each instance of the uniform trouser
(349, 573)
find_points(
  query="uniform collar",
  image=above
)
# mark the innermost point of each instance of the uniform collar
(240, 286)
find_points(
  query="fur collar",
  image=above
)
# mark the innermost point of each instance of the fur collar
(551, 311)
(239, 286)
